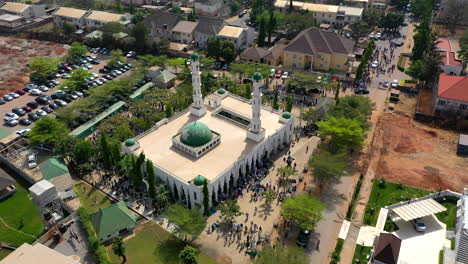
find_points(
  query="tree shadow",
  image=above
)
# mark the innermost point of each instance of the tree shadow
(168, 251)
(266, 210)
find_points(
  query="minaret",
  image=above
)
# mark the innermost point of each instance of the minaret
(256, 132)
(197, 107)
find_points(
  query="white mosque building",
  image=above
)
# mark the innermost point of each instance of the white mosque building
(218, 140)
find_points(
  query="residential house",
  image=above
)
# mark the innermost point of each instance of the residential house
(72, 16)
(165, 79)
(183, 32)
(206, 28)
(325, 14)
(11, 21)
(320, 50)
(160, 24)
(451, 65)
(208, 7)
(387, 249)
(7, 185)
(271, 56)
(112, 221)
(238, 35)
(97, 19)
(23, 10)
(451, 98)
(38, 253)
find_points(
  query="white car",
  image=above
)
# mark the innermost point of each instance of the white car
(272, 73)
(23, 131)
(378, 35)
(371, 36)
(35, 92)
(41, 113)
(43, 88)
(61, 102)
(285, 75)
(375, 64)
(14, 95)
(319, 79)
(95, 75)
(32, 163)
(10, 115)
(395, 84)
(99, 82)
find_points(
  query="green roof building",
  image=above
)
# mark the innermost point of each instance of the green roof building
(52, 168)
(111, 221)
(196, 134)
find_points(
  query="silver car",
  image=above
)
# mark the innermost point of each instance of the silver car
(419, 225)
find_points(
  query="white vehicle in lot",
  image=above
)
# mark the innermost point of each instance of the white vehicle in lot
(14, 95)
(375, 64)
(10, 115)
(41, 112)
(395, 83)
(272, 73)
(32, 162)
(43, 88)
(36, 92)
(285, 75)
(378, 35)
(61, 102)
(371, 36)
(23, 131)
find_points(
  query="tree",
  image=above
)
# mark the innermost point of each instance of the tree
(169, 111)
(187, 222)
(176, 10)
(137, 173)
(372, 16)
(191, 16)
(41, 67)
(235, 7)
(400, 5)
(302, 209)
(295, 22)
(206, 199)
(139, 32)
(67, 28)
(150, 178)
(262, 32)
(291, 6)
(150, 60)
(105, 151)
(310, 115)
(282, 254)
(76, 80)
(354, 107)
(275, 100)
(285, 172)
(289, 104)
(345, 133)
(48, 131)
(229, 52)
(463, 54)
(116, 56)
(359, 29)
(269, 196)
(421, 8)
(119, 248)
(214, 47)
(229, 210)
(421, 39)
(189, 255)
(75, 52)
(176, 63)
(327, 166)
(392, 21)
(247, 90)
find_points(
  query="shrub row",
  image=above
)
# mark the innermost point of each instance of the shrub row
(365, 57)
(99, 251)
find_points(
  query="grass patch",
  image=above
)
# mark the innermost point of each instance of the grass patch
(4, 253)
(452, 243)
(441, 257)
(152, 244)
(361, 254)
(352, 205)
(448, 217)
(19, 212)
(336, 255)
(401, 62)
(90, 197)
(386, 193)
(390, 226)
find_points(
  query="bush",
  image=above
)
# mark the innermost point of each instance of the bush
(441, 257)
(452, 243)
(382, 183)
(335, 257)
(99, 251)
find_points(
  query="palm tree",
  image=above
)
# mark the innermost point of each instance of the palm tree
(463, 54)
(285, 172)
(163, 196)
(119, 248)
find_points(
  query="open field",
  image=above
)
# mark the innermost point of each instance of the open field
(152, 244)
(90, 197)
(16, 54)
(20, 213)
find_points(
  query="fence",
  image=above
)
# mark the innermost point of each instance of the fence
(429, 196)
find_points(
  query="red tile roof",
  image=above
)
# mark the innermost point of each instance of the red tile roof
(448, 54)
(444, 44)
(453, 87)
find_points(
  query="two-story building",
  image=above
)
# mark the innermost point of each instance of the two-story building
(71, 16)
(451, 98)
(206, 28)
(183, 32)
(97, 19)
(451, 64)
(22, 10)
(208, 7)
(238, 35)
(318, 49)
(160, 24)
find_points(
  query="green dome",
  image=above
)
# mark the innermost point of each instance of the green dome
(286, 115)
(194, 56)
(199, 180)
(130, 142)
(195, 134)
(257, 76)
(221, 91)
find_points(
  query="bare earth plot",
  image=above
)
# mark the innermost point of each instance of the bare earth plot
(15, 55)
(418, 155)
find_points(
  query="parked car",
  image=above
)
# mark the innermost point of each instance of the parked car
(42, 100)
(47, 109)
(385, 84)
(77, 93)
(272, 73)
(361, 91)
(11, 122)
(21, 92)
(395, 83)
(27, 109)
(375, 64)
(2, 101)
(35, 92)
(285, 75)
(25, 122)
(279, 73)
(32, 162)
(131, 54)
(60, 102)
(247, 80)
(419, 225)
(14, 95)
(32, 105)
(9, 116)
(23, 131)
(7, 97)
(33, 116)
(41, 113)
(18, 111)
(54, 106)
(303, 238)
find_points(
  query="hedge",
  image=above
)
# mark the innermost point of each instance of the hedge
(335, 256)
(365, 57)
(99, 251)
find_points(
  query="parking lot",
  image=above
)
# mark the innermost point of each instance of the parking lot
(22, 100)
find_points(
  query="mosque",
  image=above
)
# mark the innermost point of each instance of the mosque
(217, 141)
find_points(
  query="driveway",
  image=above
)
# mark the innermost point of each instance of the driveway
(421, 247)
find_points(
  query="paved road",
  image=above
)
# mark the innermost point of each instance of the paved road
(238, 21)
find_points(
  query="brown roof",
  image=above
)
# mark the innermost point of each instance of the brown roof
(313, 40)
(275, 51)
(5, 180)
(70, 12)
(387, 249)
(14, 7)
(185, 27)
(104, 16)
(160, 18)
(254, 52)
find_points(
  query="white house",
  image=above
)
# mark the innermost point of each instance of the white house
(71, 16)
(97, 19)
(23, 10)
(242, 37)
(183, 32)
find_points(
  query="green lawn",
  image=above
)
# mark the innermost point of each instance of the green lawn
(448, 217)
(19, 212)
(90, 197)
(390, 226)
(361, 254)
(388, 193)
(152, 244)
(4, 253)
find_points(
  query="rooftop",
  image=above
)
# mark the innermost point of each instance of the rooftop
(448, 52)
(70, 12)
(387, 249)
(160, 19)
(14, 7)
(313, 40)
(231, 31)
(234, 143)
(112, 219)
(8, 17)
(37, 254)
(185, 27)
(351, 11)
(453, 87)
(209, 25)
(105, 16)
